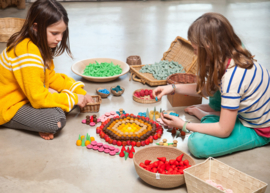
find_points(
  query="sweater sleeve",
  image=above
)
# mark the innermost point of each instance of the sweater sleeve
(28, 70)
(59, 82)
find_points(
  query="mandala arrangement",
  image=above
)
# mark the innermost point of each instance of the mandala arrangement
(130, 130)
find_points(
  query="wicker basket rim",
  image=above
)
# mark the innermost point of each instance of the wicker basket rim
(96, 103)
(133, 67)
(212, 159)
(182, 74)
(169, 78)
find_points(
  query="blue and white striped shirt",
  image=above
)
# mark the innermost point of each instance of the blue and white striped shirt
(248, 91)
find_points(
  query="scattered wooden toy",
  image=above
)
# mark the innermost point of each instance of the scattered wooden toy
(82, 141)
(164, 143)
(103, 148)
(126, 152)
(108, 115)
(91, 120)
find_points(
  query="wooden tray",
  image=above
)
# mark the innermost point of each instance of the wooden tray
(180, 51)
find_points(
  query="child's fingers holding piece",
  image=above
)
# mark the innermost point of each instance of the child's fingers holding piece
(157, 91)
(165, 119)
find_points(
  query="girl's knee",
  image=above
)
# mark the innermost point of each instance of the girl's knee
(61, 124)
(60, 119)
(197, 145)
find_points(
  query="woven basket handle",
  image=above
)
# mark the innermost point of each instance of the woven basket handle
(137, 79)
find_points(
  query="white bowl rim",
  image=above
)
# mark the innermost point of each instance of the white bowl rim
(115, 76)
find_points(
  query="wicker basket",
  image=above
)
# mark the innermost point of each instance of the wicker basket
(92, 107)
(180, 51)
(102, 94)
(144, 101)
(9, 26)
(181, 78)
(151, 153)
(20, 4)
(117, 93)
(134, 60)
(223, 174)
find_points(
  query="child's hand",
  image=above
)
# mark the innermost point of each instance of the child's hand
(89, 99)
(162, 90)
(52, 90)
(81, 100)
(172, 121)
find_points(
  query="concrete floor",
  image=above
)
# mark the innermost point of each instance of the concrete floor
(117, 30)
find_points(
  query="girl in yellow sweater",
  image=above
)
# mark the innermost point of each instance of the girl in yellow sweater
(33, 96)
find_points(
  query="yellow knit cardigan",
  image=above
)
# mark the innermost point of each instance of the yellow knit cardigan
(24, 79)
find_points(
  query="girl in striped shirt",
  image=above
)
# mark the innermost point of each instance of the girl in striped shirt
(33, 96)
(241, 87)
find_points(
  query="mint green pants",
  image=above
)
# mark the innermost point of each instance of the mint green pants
(241, 138)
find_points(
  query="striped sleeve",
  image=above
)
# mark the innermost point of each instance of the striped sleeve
(59, 82)
(232, 87)
(28, 70)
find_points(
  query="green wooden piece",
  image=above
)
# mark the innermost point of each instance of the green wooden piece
(126, 155)
(83, 142)
(154, 117)
(147, 113)
(177, 133)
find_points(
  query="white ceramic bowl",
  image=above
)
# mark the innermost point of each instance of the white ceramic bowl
(79, 67)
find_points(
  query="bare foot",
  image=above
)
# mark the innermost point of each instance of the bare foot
(191, 110)
(46, 136)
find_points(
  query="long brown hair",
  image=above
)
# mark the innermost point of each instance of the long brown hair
(44, 13)
(216, 41)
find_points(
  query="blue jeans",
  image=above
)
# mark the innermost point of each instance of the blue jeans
(241, 138)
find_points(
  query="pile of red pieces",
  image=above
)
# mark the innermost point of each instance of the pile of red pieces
(130, 152)
(143, 93)
(171, 167)
(159, 132)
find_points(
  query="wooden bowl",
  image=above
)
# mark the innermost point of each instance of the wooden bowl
(79, 67)
(102, 94)
(151, 153)
(117, 93)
